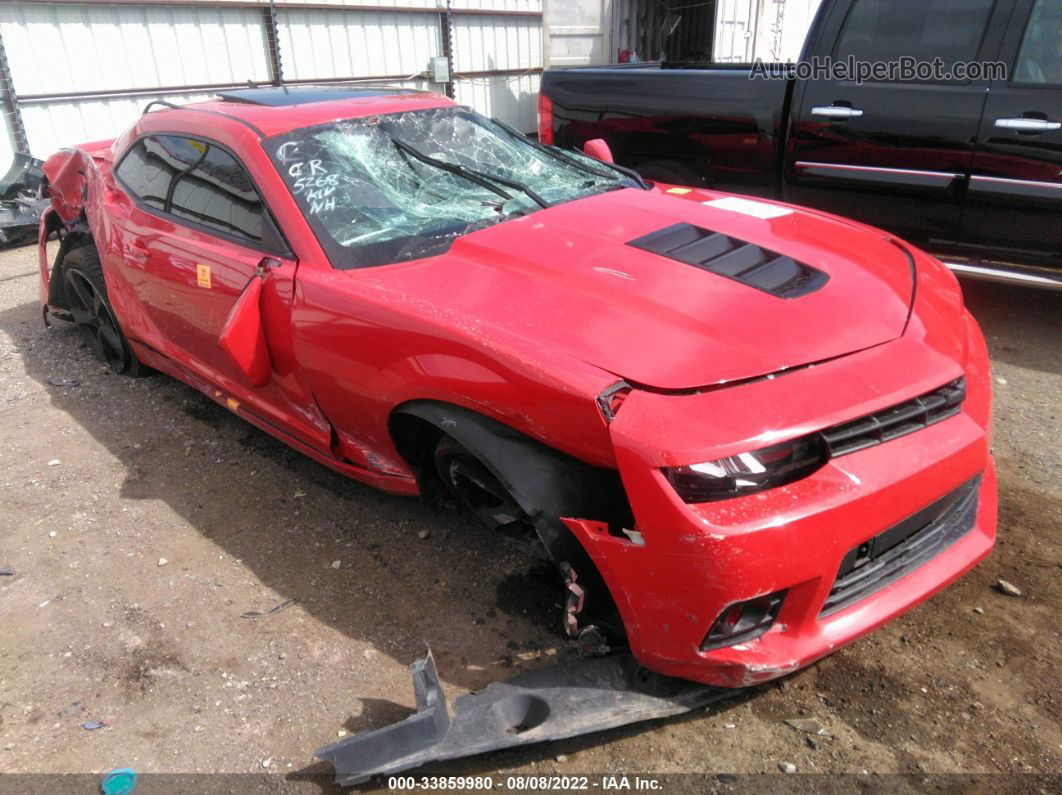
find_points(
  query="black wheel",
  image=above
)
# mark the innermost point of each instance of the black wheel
(476, 487)
(86, 298)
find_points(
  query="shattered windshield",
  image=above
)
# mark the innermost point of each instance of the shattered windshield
(399, 186)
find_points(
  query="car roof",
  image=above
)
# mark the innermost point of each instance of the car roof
(275, 110)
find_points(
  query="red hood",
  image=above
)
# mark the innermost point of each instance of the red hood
(566, 278)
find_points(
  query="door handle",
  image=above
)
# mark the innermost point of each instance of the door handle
(1022, 124)
(836, 112)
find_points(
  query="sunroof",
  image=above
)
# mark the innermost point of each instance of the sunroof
(277, 96)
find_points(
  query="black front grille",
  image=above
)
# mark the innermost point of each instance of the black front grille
(904, 418)
(886, 557)
(735, 259)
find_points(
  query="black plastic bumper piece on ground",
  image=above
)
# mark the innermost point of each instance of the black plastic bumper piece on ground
(563, 700)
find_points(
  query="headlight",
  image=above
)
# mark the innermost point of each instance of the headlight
(746, 473)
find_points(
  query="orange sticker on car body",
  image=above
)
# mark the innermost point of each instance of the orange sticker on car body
(202, 275)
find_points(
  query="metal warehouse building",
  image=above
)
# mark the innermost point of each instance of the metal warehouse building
(74, 72)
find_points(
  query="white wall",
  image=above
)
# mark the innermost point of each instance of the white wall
(106, 47)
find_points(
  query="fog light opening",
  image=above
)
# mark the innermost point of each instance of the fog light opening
(743, 621)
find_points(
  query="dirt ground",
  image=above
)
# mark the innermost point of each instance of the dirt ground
(142, 521)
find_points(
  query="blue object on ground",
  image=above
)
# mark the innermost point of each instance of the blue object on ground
(119, 782)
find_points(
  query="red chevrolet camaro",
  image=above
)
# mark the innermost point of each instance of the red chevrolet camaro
(748, 433)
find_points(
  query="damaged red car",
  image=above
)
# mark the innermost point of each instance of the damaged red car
(746, 432)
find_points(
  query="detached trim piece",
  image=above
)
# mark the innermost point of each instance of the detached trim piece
(734, 259)
(554, 703)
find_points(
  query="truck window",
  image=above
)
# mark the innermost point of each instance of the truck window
(1040, 57)
(876, 30)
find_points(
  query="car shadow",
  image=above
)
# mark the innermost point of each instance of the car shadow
(479, 602)
(408, 575)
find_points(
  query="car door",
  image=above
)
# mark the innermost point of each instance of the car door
(893, 150)
(1015, 199)
(194, 235)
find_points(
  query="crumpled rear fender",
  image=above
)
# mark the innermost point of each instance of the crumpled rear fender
(77, 184)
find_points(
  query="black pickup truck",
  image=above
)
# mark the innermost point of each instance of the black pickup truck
(970, 169)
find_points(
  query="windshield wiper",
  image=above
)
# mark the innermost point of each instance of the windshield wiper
(479, 177)
(512, 183)
(452, 168)
(560, 154)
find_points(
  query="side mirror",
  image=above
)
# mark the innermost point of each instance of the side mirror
(598, 148)
(243, 335)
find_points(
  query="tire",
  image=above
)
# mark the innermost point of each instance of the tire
(85, 291)
(473, 485)
(476, 487)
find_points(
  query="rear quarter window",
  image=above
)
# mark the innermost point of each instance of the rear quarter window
(146, 174)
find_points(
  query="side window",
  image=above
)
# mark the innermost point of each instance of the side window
(194, 180)
(876, 30)
(1040, 55)
(146, 173)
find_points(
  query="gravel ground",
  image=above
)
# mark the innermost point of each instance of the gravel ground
(142, 521)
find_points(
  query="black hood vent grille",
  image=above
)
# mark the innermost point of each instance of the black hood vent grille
(735, 259)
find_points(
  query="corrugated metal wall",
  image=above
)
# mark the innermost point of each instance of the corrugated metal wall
(116, 57)
(326, 45)
(481, 44)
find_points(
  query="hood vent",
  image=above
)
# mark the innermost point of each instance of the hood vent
(735, 259)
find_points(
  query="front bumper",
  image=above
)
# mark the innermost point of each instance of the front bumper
(698, 559)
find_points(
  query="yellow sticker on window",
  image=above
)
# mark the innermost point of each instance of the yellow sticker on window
(679, 191)
(198, 146)
(202, 275)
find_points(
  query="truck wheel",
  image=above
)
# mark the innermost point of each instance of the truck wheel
(476, 487)
(86, 297)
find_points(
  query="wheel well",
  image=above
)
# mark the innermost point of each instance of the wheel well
(415, 438)
(548, 483)
(56, 283)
